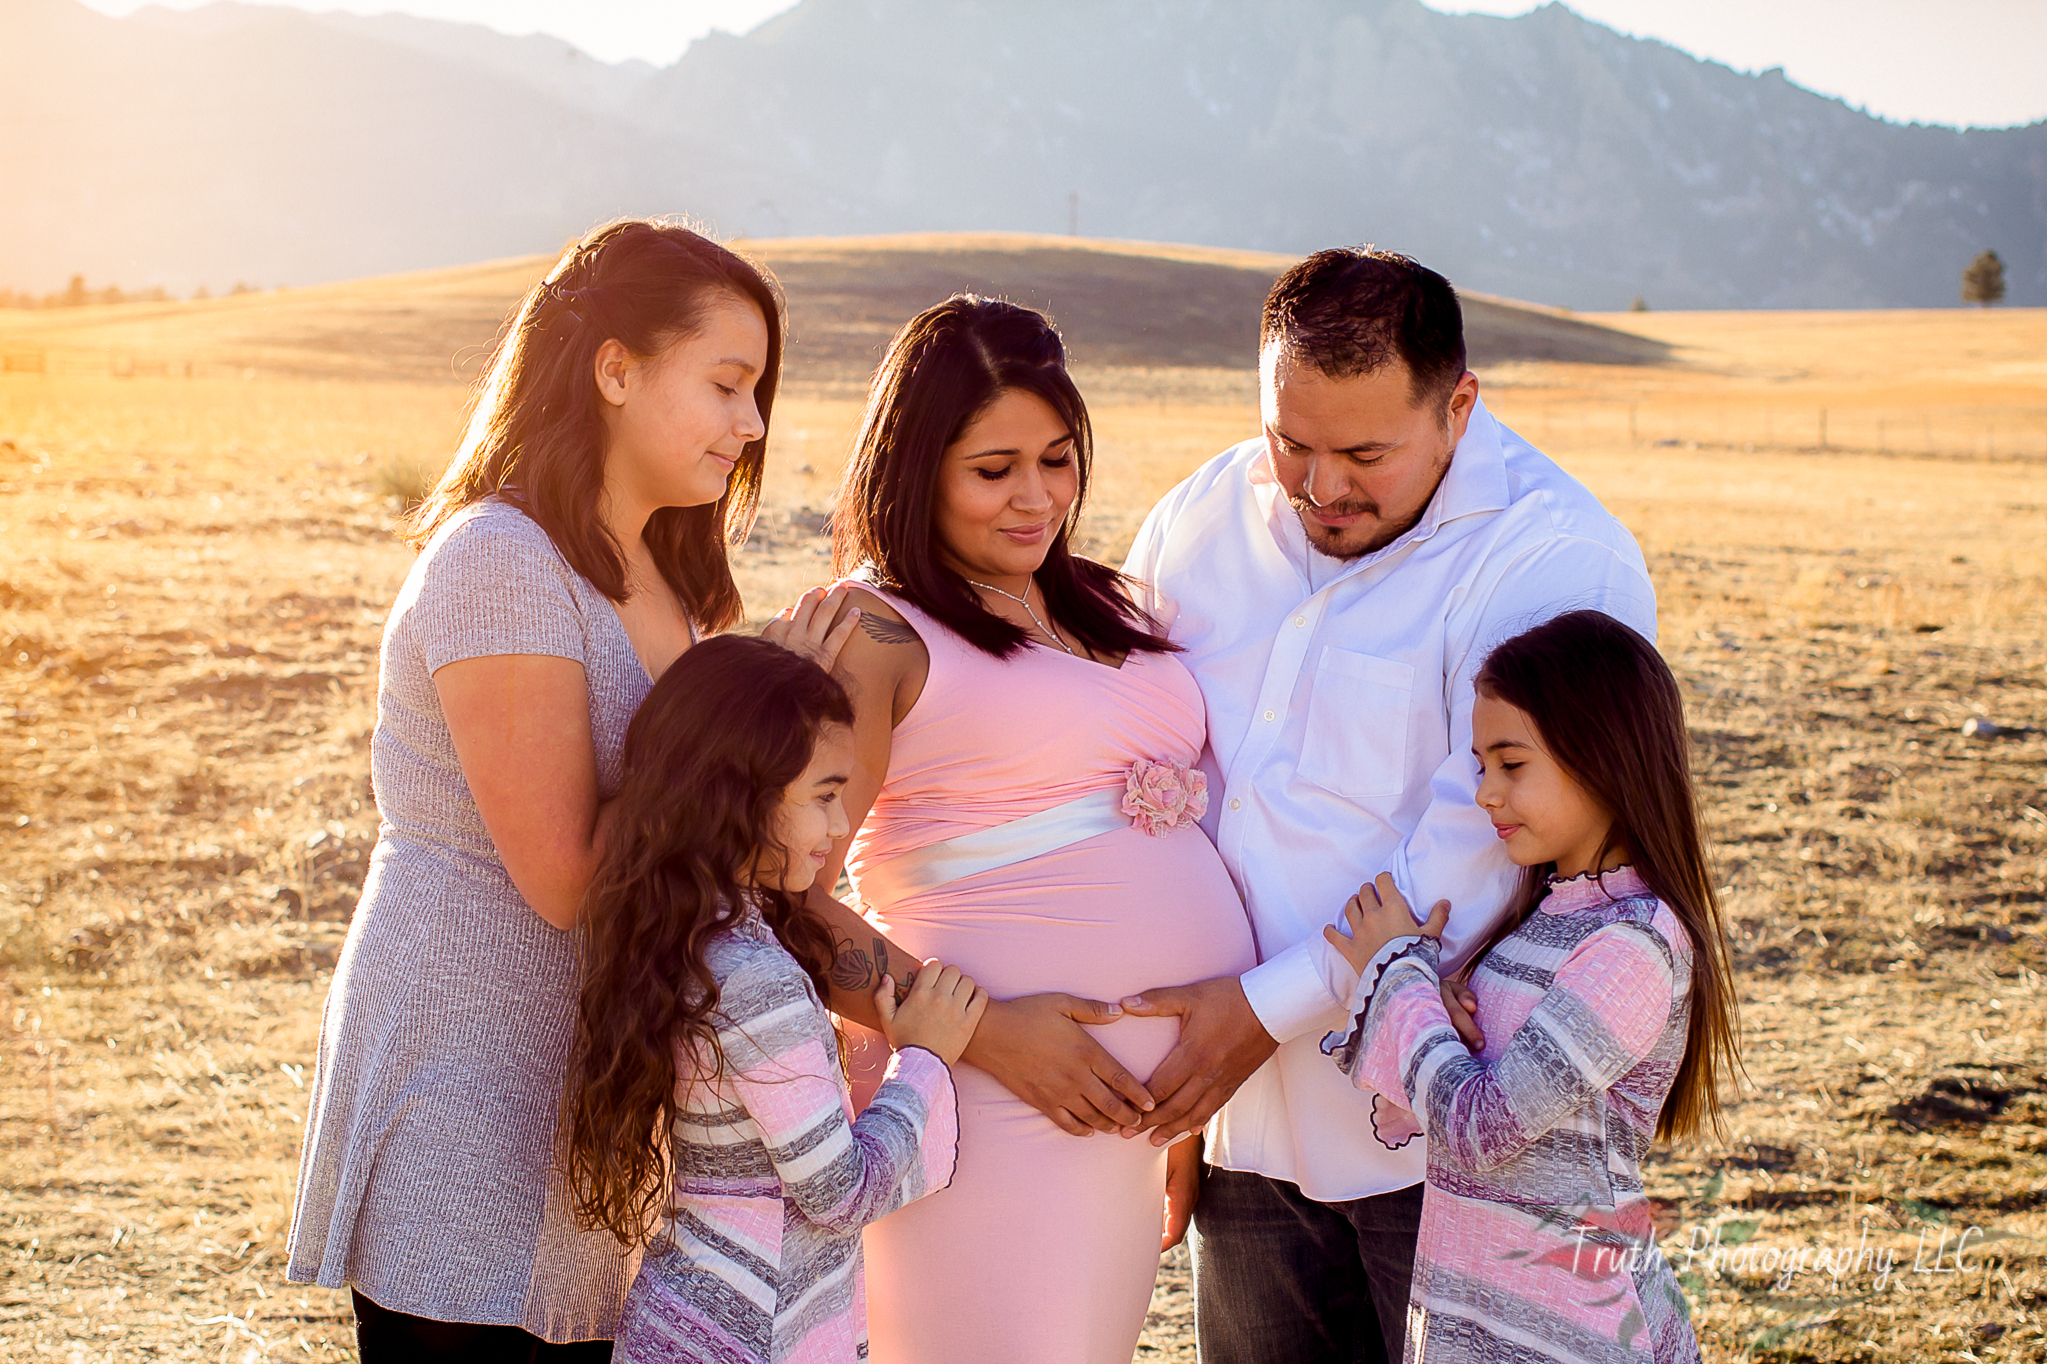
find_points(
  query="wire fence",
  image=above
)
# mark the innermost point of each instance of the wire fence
(116, 364)
(1952, 431)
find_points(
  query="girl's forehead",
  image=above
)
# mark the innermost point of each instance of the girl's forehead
(1495, 721)
(834, 744)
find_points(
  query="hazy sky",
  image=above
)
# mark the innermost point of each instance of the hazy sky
(1940, 61)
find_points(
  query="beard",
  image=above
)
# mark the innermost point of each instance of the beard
(1378, 532)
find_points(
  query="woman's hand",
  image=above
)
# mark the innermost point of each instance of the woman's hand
(1376, 916)
(806, 626)
(1183, 1188)
(1039, 1049)
(939, 1011)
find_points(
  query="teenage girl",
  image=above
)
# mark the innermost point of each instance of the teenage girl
(1608, 1009)
(575, 547)
(707, 1116)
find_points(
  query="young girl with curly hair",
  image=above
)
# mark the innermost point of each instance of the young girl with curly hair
(707, 1117)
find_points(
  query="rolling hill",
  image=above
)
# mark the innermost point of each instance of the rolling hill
(1119, 304)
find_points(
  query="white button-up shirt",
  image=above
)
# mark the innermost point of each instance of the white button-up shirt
(1340, 726)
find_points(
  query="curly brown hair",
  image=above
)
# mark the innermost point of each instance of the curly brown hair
(730, 725)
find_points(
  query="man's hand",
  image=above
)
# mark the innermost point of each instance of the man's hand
(1037, 1048)
(1221, 1043)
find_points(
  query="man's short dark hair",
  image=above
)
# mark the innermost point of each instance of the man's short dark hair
(1354, 310)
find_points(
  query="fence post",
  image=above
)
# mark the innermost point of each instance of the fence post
(1823, 428)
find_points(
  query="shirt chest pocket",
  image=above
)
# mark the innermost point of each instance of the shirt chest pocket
(1356, 743)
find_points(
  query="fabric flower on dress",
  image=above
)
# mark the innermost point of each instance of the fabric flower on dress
(1159, 796)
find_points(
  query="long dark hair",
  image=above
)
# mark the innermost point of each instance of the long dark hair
(535, 431)
(728, 727)
(941, 372)
(1609, 712)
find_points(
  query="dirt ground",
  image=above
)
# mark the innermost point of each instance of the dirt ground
(194, 574)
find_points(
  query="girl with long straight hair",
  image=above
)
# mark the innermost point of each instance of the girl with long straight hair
(573, 550)
(706, 1114)
(1027, 796)
(1606, 1005)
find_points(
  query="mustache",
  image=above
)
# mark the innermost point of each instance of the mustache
(1301, 504)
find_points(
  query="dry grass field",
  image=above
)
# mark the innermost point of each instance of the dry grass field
(194, 569)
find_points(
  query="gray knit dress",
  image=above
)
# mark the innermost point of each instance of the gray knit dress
(428, 1179)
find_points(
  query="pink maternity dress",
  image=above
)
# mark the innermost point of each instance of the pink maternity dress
(1044, 1249)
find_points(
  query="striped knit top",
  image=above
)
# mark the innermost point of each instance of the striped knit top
(1536, 1239)
(760, 1257)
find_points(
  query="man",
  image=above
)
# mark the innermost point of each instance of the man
(1335, 585)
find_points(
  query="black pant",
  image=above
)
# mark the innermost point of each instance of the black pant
(387, 1337)
(1283, 1279)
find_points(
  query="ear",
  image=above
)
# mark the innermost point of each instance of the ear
(611, 366)
(1464, 397)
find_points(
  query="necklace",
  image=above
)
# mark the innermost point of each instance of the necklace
(1026, 604)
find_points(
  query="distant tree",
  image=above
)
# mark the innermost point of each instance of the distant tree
(240, 288)
(200, 294)
(1984, 279)
(76, 296)
(111, 294)
(1636, 305)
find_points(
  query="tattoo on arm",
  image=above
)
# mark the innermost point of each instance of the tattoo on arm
(851, 969)
(884, 631)
(855, 970)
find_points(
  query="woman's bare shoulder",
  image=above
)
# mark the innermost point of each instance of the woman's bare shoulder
(880, 622)
(885, 657)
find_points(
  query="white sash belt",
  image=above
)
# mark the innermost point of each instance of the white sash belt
(1005, 845)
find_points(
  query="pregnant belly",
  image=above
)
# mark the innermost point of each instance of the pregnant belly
(1103, 918)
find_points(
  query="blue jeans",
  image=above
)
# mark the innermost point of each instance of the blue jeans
(1283, 1279)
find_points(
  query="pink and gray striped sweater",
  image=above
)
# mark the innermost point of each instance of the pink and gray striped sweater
(759, 1261)
(1537, 1243)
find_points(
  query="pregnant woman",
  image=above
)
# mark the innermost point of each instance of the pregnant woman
(573, 550)
(1025, 745)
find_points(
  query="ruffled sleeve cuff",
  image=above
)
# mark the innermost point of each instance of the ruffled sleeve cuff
(1345, 1044)
(924, 1087)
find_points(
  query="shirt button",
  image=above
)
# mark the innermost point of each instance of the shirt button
(1236, 804)
(1269, 715)
(1301, 620)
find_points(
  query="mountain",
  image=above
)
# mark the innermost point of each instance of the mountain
(550, 66)
(1541, 157)
(282, 148)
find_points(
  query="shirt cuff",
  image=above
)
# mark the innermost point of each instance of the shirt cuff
(1296, 990)
(1341, 1042)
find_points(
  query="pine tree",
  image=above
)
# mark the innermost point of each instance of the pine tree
(1984, 280)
